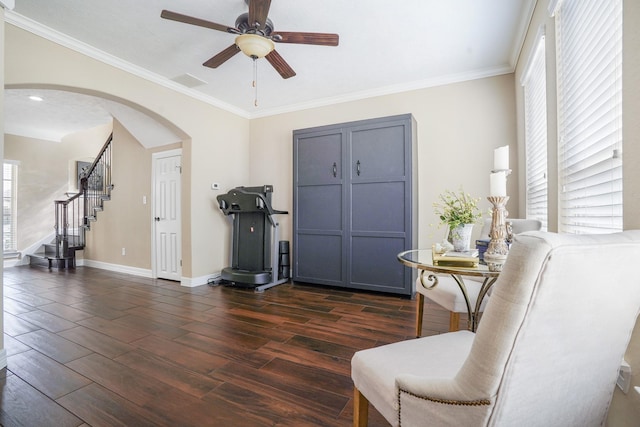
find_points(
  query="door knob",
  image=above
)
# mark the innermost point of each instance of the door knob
(157, 218)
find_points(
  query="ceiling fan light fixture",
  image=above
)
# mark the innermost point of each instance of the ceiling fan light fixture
(254, 46)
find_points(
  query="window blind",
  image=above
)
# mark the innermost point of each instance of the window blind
(9, 206)
(534, 83)
(589, 67)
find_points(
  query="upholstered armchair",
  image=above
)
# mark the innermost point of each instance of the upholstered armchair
(546, 353)
(448, 294)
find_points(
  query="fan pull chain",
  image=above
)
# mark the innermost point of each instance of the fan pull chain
(255, 81)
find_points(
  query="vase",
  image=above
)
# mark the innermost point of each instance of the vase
(461, 237)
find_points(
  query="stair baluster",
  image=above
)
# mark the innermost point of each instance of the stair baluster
(74, 215)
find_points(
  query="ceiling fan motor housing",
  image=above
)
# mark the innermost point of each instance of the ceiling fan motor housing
(242, 24)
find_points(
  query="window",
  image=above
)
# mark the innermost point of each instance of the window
(9, 207)
(534, 82)
(589, 60)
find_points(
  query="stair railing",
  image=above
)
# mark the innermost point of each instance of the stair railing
(74, 215)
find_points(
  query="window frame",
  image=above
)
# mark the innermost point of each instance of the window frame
(534, 84)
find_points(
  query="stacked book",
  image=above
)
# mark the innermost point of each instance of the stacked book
(456, 259)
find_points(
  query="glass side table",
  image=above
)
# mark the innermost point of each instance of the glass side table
(422, 260)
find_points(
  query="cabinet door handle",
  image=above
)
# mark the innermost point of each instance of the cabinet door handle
(358, 167)
(335, 169)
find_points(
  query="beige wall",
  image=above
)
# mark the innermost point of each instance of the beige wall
(47, 170)
(215, 148)
(625, 409)
(458, 127)
(631, 113)
(125, 221)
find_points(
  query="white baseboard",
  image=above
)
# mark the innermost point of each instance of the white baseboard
(135, 271)
(189, 282)
(14, 262)
(24, 259)
(192, 282)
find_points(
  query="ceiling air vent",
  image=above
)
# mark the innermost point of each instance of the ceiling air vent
(188, 80)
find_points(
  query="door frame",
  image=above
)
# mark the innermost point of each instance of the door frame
(154, 158)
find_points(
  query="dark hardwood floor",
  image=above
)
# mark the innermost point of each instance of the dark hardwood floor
(88, 347)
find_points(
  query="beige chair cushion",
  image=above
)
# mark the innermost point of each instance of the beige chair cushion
(432, 357)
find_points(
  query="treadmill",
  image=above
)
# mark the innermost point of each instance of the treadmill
(254, 240)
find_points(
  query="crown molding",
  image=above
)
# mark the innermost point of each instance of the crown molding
(387, 90)
(8, 4)
(57, 37)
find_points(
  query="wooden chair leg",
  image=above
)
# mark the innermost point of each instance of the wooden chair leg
(419, 313)
(360, 409)
(454, 321)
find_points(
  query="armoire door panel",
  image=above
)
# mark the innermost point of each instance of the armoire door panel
(322, 261)
(319, 159)
(374, 263)
(320, 207)
(378, 206)
(378, 153)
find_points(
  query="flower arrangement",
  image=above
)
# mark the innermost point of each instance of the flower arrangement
(455, 209)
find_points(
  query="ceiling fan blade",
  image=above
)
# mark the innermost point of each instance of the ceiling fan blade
(222, 57)
(167, 14)
(324, 39)
(258, 11)
(280, 65)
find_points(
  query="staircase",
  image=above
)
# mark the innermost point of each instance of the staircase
(73, 216)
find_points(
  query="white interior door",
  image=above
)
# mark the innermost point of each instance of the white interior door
(167, 167)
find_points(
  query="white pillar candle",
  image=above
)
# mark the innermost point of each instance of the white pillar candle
(501, 158)
(498, 184)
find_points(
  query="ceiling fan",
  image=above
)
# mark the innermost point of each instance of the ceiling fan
(255, 36)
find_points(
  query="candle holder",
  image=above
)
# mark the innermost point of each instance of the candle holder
(497, 249)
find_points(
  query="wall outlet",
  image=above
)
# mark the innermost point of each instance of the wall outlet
(215, 186)
(124, 251)
(624, 377)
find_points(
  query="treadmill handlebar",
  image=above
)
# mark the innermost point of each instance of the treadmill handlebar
(241, 199)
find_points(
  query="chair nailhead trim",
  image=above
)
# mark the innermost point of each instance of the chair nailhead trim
(481, 402)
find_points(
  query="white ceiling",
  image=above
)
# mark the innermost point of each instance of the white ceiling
(61, 113)
(386, 46)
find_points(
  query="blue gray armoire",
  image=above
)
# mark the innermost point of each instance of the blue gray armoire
(355, 204)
